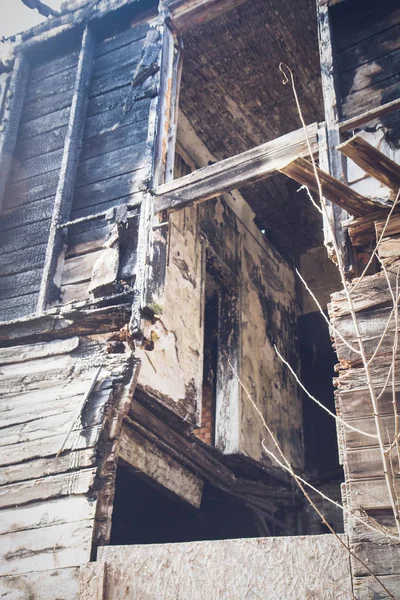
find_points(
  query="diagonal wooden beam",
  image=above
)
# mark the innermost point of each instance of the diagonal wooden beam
(229, 174)
(372, 161)
(302, 171)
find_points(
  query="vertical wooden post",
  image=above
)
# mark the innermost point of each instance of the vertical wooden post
(332, 124)
(69, 165)
(152, 243)
(13, 101)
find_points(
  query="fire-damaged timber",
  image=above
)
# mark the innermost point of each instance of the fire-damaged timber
(159, 199)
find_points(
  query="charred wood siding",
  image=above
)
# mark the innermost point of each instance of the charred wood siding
(113, 168)
(367, 53)
(111, 161)
(29, 197)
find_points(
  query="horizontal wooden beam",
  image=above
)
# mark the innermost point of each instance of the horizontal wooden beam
(229, 174)
(369, 115)
(187, 14)
(372, 161)
(334, 190)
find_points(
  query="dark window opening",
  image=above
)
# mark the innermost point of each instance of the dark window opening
(320, 438)
(144, 514)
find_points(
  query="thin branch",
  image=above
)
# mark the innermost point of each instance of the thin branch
(377, 244)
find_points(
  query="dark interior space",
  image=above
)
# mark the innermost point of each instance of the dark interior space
(317, 371)
(210, 361)
(144, 514)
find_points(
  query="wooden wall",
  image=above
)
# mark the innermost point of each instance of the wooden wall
(29, 198)
(366, 36)
(61, 407)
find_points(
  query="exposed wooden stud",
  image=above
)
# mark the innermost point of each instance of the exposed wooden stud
(64, 195)
(331, 119)
(14, 94)
(372, 161)
(250, 166)
(334, 190)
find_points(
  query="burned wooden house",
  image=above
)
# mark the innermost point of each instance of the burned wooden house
(165, 374)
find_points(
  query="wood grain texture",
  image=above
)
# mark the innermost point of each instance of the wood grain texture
(250, 166)
(372, 161)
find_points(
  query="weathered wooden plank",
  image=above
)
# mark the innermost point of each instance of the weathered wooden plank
(12, 285)
(24, 237)
(40, 144)
(372, 161)
(26, 415)
(75, 292)
(357, 440)
(19, 354)
(113, 140)
(110, 189)
(44, 467)
(59, 546)
(32, 167)
(369, 495)
(135, 31)
(36, 211)
(334, 190)
(370, 74)
(45, 514)
(367, 587)
(239, 170)
(151, 462)
(44, 124)
(41, 107)
(18, 307)
(370, 98)
(108, 120)
(70, 160)
(370, 115)
(79, 268)
(22, 260)
(128, 54)
(372, 292)
(369, 49)
(364, 463)
(357, 403)
(132, 201)
(54, 65)
(53, 486)
(62, 81)
(59, 584)
(362, 25)
(36, 188)
(114, 163)
(362, 229)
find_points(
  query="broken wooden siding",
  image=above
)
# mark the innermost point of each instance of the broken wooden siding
(61, 405)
